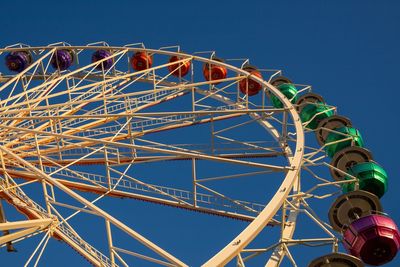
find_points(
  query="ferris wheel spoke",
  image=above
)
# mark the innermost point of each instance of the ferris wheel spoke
(192, 153)
(24, 229)
(199, 201)
(123, 84)
(171, 150)
(95, 209)
(31, 107)
(34, 211)
(98, 96)
(93, 114)
(124, 160)
(179, 202)
(147, 124)
(31, 111)
(47, 83)
(132, 188)
(222, 196)
(65, 170)
(178, 126)
(92, 124)
(141, 256)
(171, 192)
(42, 244)
(105, 81)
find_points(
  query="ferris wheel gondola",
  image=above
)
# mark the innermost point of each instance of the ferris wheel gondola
(119, 108)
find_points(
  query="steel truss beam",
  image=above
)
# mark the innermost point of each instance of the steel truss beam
(18, 153)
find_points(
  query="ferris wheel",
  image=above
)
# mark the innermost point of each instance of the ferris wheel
(83, 125)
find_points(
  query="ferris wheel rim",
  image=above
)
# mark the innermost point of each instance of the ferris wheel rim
(227, 253)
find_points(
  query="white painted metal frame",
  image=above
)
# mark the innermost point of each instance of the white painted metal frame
(57, 128)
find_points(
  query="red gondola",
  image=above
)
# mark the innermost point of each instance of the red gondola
(141, 61)
(248, 85)
(178, 69)
(214, 72)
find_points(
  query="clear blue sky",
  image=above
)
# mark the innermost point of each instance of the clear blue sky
(348, 51)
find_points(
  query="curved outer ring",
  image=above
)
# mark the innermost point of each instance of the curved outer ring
(257, 225)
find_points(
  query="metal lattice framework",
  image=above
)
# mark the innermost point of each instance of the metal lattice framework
(85, 129)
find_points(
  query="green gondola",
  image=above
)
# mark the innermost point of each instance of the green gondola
(288, 90)
(339, 140)
(371, 178)
(314, 113)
